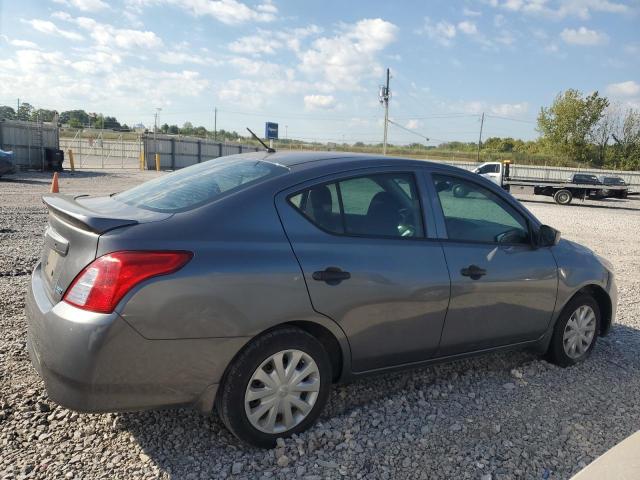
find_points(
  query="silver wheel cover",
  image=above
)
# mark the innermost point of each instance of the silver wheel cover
(579, 332)
(282, 391)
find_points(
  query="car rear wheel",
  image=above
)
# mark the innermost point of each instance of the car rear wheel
(460, 191)
(576, 331)
(563, 197)
(276, 387)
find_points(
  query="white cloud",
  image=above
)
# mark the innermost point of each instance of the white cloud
(468, 28)
(84, 5)
(230, 12)
(348, 57)
(582, 9)
(268, 41)
(23, 44)
(509, 109)
(254, 45)
(107, 35)
(412, 124)
(624, 89)
(322, 102)
(583, 36)
(45, 26)
(442, 32)
(478, 106)
(252, 67)
(46, 77)
(467, 12)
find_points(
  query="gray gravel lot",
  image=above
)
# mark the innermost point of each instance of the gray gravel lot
(501, 416)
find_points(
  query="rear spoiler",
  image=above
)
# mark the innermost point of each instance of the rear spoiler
(73, 212)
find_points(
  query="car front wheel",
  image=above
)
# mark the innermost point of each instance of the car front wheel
(276, 387)
(576, 331)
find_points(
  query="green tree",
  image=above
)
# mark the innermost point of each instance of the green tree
(111, 122)
(174, 129)
(24, 112)
(626, 137)
(43, 115)
(7, 112)
(567, 125)
(75, 118)
(187, 128)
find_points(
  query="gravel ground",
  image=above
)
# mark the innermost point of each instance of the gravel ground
(502, 416)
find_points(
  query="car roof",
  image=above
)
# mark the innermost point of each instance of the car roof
(309, 159)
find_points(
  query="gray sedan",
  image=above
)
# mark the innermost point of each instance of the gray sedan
(251, 283)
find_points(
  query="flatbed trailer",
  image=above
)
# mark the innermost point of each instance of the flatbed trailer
(562, 192)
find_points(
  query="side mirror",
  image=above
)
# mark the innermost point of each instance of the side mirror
(548, 236)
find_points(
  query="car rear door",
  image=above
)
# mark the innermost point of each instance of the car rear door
(371, 262)
(503, 290)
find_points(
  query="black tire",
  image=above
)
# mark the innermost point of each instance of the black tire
(563, 197)
(230, 401)
(460, 191)
(556, 353)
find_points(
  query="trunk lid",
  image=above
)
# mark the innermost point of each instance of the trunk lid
(74, 227)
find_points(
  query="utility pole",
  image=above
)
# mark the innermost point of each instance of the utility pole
(384, 99)
(480, 138)
(155, 130)
(215, 124)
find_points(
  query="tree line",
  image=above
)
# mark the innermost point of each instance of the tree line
(586, 129)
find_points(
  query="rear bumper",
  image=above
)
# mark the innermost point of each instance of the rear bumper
(93, 362)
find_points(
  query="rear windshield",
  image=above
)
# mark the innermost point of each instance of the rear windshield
(199, 184)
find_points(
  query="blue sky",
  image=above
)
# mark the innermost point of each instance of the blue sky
(315, 67)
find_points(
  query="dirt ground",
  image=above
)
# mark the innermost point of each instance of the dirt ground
(502, 416)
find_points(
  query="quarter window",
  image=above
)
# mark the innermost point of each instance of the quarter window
(384, 205)
(475, 214)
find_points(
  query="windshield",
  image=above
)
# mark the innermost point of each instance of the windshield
(202, 183)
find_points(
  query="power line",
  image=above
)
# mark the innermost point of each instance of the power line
(408, 130)
(511, 119)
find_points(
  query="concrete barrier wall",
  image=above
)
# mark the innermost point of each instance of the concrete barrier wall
(179, 152)
(28, 141)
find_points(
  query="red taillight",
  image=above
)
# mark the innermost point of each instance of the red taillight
(103, 283)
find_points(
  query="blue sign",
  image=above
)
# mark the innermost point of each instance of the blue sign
(271, 131)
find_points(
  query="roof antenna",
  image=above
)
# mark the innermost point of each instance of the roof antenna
(267, 148)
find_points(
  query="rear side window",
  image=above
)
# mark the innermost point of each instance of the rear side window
(199, 184)
(384, 205)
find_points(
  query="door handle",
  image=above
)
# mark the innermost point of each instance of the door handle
(331, 275)
(473, 271)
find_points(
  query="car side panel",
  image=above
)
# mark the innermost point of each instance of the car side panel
(242, 280)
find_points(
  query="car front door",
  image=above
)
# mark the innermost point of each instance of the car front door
(503, 290)
(370, 263)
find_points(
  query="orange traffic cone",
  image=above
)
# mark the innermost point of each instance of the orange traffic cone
(54, 183)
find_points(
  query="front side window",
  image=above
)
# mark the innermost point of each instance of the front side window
(473, 213)
(383, 205)
(491, 168)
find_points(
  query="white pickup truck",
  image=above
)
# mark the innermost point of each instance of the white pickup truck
(579, 185)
